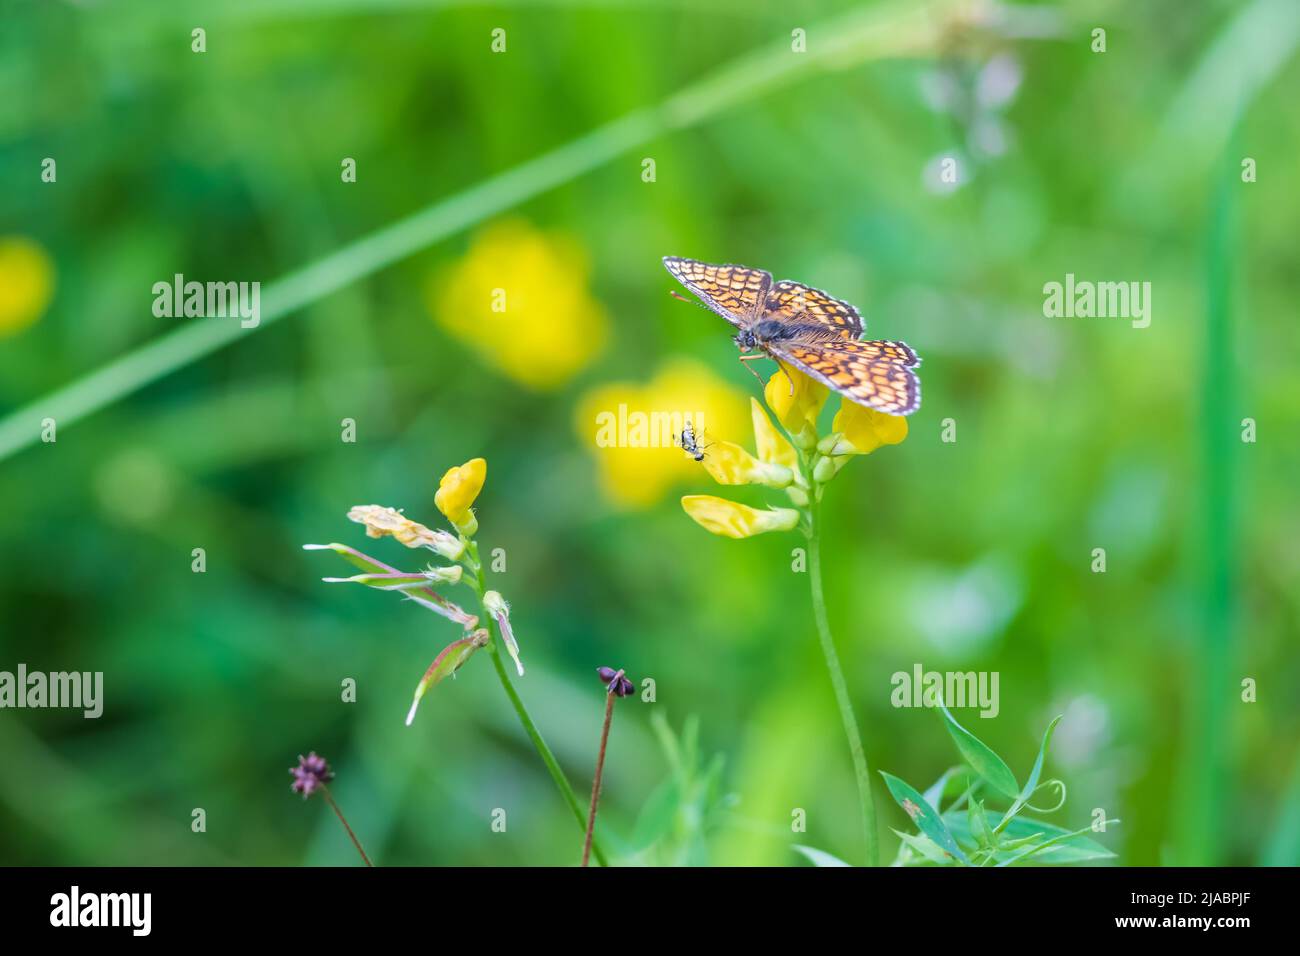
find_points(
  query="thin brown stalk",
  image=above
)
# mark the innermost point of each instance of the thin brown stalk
(329, 798)
(600, 766)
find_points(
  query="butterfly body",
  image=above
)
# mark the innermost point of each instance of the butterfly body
(804, 327)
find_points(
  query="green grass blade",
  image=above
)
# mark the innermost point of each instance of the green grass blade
(894, 29)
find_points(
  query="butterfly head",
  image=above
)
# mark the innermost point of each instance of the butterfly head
(746, 340)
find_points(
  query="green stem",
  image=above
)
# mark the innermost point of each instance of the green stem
(525, 718)
(845, 705)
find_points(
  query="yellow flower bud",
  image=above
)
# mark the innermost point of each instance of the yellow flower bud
(865, 429)
(795, 398)
(770, 444)
(458, 490)
(729, 464)
(733, 520)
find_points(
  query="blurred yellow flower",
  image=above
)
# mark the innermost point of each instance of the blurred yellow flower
(459, 488)
(633, 429)
(734, 520)
(865, 429)
(519, 298)
(795, 406)
(26, 283)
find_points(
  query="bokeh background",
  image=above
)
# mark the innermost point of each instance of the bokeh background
(823, 166)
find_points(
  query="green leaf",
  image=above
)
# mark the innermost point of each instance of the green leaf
(448, 661)
(424, 596)
(397, 581)
(935, 793)
(658, 816)
(985, 762)
(1059, 840)
(353, 556)
(1077, 849)
(979, 824)
(1032, 783)
(819, 857)
(925, 847)
(925, 817)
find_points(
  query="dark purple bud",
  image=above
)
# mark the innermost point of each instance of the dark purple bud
(312, 772)
(615, 682)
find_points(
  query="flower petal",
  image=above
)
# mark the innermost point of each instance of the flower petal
(865, 429)
(795, 398)
(459, 488)
(734, 520)
(729, 464)
(770, 444)
(381, 521)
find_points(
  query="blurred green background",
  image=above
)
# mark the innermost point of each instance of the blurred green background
(1072, 434)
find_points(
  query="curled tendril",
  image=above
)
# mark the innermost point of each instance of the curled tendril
(1047, 783)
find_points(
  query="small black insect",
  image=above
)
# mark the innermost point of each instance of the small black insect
(689, 442)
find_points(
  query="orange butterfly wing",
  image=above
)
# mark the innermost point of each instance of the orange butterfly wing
(789, 300)
(734, 292)
(868, 373)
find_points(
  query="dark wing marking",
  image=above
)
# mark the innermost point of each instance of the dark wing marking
(788, 300)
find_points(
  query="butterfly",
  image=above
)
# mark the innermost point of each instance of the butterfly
(805, 328)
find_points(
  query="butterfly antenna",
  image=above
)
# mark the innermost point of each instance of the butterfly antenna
(677, 295)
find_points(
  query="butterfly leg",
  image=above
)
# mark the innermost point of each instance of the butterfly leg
(749, 358)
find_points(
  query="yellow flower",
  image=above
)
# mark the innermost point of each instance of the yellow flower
(458, 490)
(865, 429)
(381, 521)
(26, 283)
(519, 298)
(734, 520)
(770, 444)
(633, 428)
(729, 464)
(796, 405)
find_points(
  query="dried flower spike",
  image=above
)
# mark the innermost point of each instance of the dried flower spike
(311, 774)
